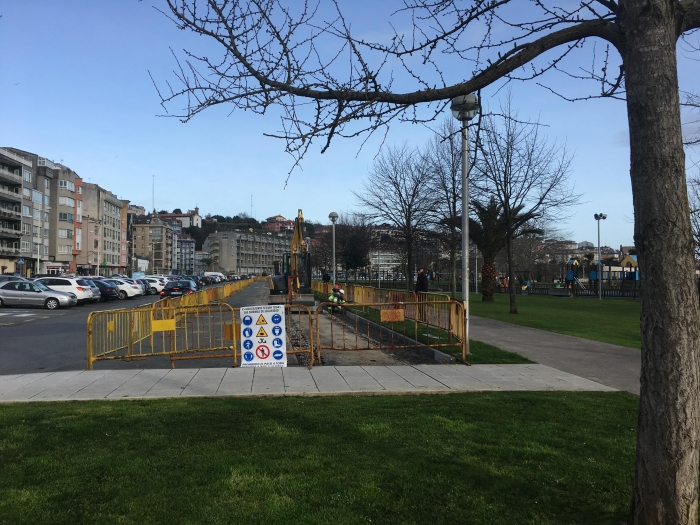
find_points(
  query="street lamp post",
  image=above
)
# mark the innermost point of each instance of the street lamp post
(598, 217)
(464, 108)
(333, 216)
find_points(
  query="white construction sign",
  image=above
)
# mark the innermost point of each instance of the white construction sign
(263, 336)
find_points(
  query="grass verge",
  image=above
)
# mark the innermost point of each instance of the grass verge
(614, 321)
(480, 353)
(481, 458)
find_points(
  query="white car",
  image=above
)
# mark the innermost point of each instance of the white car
(79, 287)
(142, 288)
(125, 289)
(156, 285)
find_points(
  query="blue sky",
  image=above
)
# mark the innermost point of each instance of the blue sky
(74, 87)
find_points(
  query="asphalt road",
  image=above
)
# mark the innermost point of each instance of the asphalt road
(41, 340)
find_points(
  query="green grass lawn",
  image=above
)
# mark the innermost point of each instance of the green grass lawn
(480, 353)
(480, 458)
(614, 321)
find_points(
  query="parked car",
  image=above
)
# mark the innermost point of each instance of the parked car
(25, 293)
(107, 289)
(141, 287)
(178, 288)
(96, 293)
(154, 285)
(125, 289)
(79, 287)
(11, 277)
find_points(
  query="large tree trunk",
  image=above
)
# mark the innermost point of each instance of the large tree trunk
(511, 275)
(666, 473)
(488, 280)
(453, 271)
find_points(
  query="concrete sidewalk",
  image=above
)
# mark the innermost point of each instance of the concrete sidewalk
(322, 380)
(615, 366)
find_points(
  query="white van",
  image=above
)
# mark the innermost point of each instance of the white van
(220, 276)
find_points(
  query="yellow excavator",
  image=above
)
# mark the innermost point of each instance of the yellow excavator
(294, 277)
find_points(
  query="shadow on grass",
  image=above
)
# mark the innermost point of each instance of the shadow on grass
(481, 458)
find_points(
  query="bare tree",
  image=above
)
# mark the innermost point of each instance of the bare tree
(274, 54)
(527, 176)
(694, 198)
(444, 157)
(398, 192)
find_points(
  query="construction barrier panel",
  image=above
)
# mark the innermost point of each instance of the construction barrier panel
(194, 326)
(390, 325)
(180, 332)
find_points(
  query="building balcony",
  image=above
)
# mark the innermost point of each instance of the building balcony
(4, 250)
(9, 176)
(10, 232)
(10, 195)
(10, 214)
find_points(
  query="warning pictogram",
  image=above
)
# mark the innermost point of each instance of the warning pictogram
(263, 336)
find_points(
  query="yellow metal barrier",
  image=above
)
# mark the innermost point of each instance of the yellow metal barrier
(180, 332)
(186, 327)
(413, 324)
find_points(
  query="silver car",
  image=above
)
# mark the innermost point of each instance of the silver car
(25, 293)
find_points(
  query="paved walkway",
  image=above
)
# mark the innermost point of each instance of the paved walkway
(615, 366)
(323, 380)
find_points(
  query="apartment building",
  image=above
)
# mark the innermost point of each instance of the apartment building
(245, 252)
(105, 250)
(153, 239)
(185, 254)
(34, 245)
(11, 168)
(199, 265)
(62, 220)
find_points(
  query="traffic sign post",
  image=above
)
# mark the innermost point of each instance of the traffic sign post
(264, 341)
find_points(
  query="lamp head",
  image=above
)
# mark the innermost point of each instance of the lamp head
(333, 216)
(465, 107)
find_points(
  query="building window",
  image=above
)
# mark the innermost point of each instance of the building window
(37, 197)
(65, 234)
(97, 230)
(80, 190)
(26, 229)
(66, 185)
(46, 200)
(94, 257)
(46, 183)
(66, 217)
(65, 248)
(36, 232)
(37, 215)
(97, 244)
(27, 175)
(25, 246)
(26, 192)
(66, 201)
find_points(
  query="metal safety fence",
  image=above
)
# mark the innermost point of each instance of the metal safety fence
(185, 331)
(391, 325)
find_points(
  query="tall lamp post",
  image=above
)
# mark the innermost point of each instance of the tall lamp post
(598, 217)
(464, 108)
(333, 216)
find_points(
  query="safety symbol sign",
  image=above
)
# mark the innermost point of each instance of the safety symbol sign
(266, 346)
(262, 352)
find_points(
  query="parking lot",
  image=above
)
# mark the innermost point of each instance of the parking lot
(37, 339)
